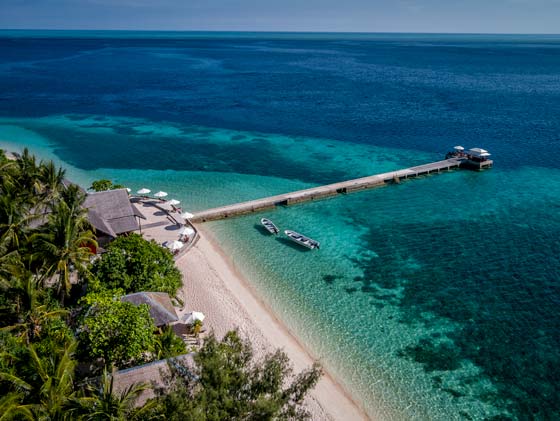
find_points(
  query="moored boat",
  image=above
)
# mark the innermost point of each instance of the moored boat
(302, 239)
(269, 225)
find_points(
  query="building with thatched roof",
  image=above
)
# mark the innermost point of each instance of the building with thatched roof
(151, 373)
(161, 307)
(111, 213)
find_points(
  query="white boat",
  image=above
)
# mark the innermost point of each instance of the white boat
(269, 225)
(302, 239)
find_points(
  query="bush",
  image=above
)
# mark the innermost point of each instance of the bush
(168, 344)
(228, 384)
(104, 184)
(118, 332)
(134, 264)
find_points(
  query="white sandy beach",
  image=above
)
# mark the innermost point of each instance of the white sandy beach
(212, 285)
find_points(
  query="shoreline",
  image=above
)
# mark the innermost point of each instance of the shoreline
(235, 304)
(214, 286)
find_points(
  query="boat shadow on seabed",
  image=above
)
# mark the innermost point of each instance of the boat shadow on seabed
(290, 243)
(262, 230)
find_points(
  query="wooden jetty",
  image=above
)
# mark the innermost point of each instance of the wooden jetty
(321, 192)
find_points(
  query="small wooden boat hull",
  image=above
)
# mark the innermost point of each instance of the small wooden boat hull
(302, 240)
(269, 225)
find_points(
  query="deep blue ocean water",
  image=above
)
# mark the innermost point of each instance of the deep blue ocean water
(434, 299)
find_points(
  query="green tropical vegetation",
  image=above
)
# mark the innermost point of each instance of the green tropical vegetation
(167, 344)
(64, 328)
(104, 402)
(63, 244)
(104, 184)
(119, 333)
(227, 384)
(134, 264)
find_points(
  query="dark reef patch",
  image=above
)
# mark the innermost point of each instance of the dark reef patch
(127, 147)
(434, 357)
(499, 291)
(330, 279)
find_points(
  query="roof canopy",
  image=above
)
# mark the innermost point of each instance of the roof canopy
(151, 373)
(161, 307)
(111, 212)
(478, 152)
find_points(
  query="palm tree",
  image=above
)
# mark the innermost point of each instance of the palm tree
(104, 403)
(7, 167)
(31, 321)
(14, 218)
(11, 407)
(47, 393)
(57, 377)
(28, 175)
(10, 266)
(74, 196)
(52, 181)
(25, 291)
(24, 315)
(63, 245)
(167, 344)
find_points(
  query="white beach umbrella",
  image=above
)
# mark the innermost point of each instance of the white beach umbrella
(128, 190)
(459, 148)
(160, 194)
(187, 231)
(173, 202)
(191, 317)
(174, 245)
(143, 191)
(186, 215)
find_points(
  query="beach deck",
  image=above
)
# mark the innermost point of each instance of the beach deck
(163, 224)
(330, 190)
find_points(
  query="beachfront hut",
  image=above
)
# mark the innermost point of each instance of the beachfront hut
(161, 307)
(152, 373)
(111, 213)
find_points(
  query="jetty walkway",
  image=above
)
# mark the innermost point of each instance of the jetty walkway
(329, 190)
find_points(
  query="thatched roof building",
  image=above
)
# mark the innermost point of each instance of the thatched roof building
(111, 212)
(151, 373)
(161, 307)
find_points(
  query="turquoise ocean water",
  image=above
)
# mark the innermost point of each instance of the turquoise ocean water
(432, 299)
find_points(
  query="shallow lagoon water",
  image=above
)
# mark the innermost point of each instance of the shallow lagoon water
(432, 299)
